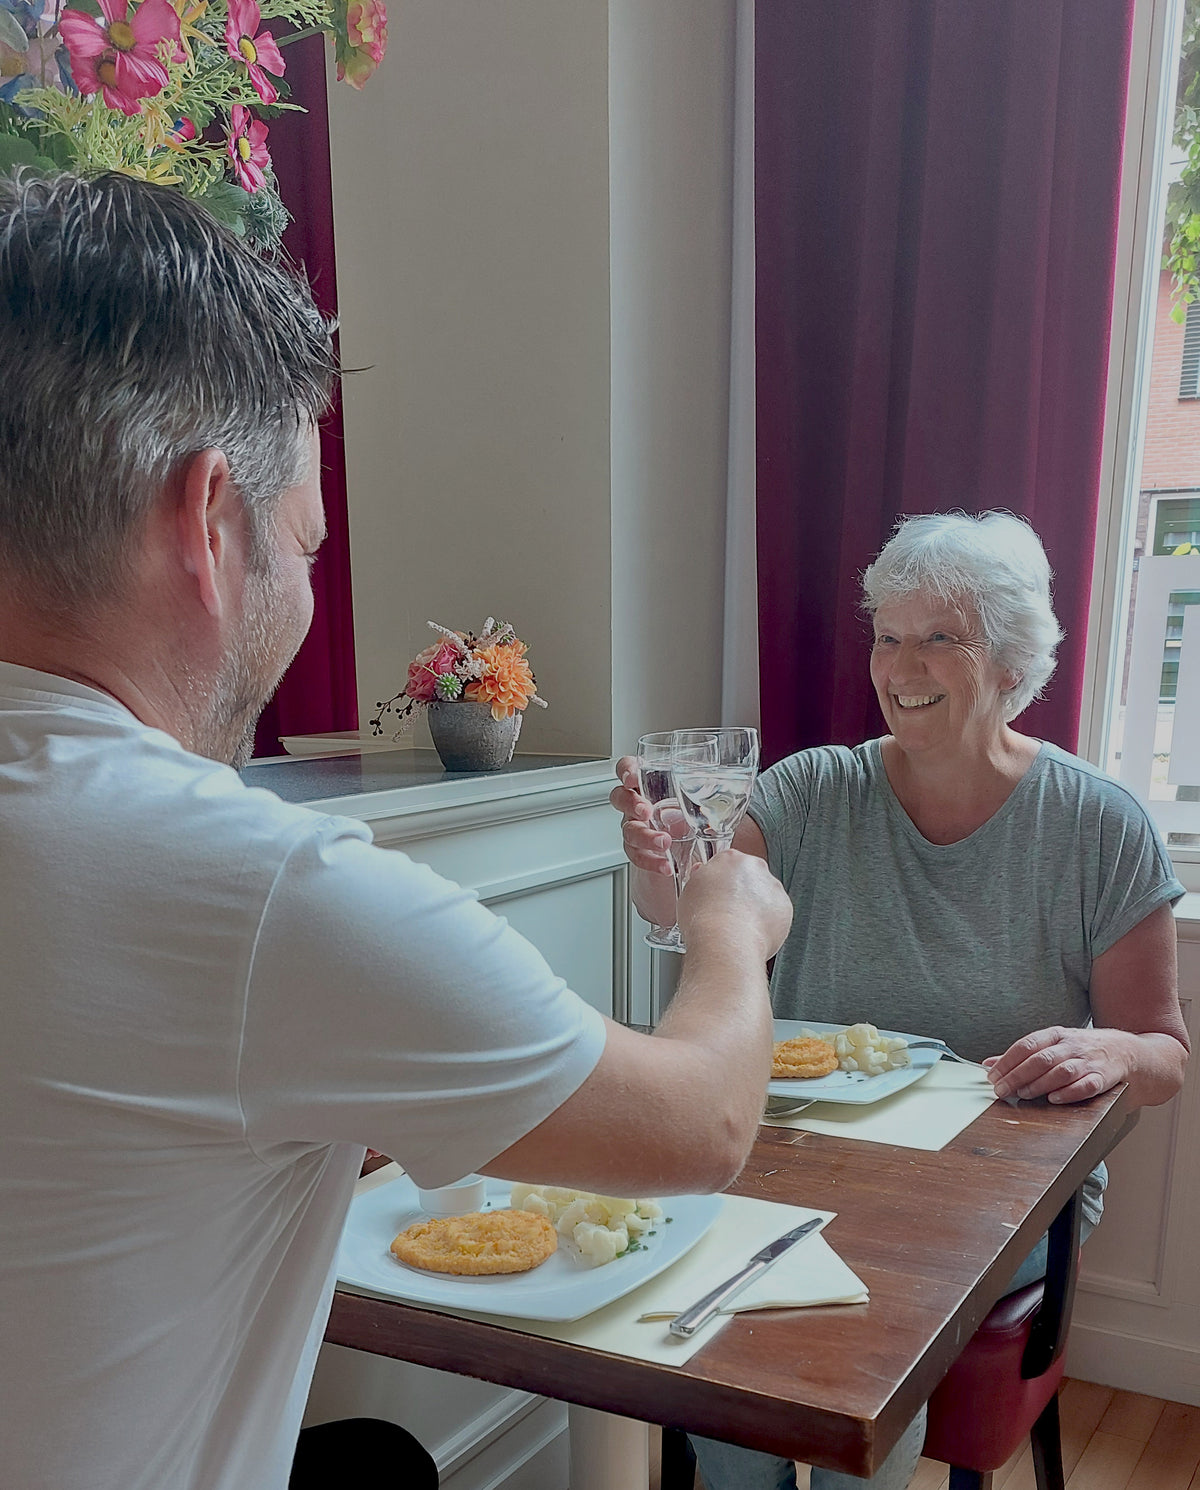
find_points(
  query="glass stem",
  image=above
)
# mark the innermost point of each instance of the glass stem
(681, 862)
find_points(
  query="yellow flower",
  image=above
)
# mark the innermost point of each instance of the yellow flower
(507, 683)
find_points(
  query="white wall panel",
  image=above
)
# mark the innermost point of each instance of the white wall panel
(1137, 1311)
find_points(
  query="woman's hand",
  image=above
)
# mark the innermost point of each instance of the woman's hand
(1139, 1035)
(1064, 1065)
(646, 846)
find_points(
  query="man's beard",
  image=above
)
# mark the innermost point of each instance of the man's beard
(252, 672)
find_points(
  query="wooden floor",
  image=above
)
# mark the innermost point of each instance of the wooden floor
(1111, 1441)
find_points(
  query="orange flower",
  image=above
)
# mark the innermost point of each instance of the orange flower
(507, 683)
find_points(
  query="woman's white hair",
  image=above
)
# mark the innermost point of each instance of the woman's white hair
(995, 563)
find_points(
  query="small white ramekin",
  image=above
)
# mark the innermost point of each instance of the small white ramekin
(459, 1199)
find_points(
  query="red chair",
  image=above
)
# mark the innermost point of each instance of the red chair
(1004, 1386)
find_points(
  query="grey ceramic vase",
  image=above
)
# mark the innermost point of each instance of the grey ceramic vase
(467, 738)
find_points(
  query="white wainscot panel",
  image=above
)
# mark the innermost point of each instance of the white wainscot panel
(1136, 1324)
(580, 929)
(479, 1434)
(1125, 1255)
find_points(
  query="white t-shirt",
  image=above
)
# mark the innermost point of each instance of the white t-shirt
(212, 1000)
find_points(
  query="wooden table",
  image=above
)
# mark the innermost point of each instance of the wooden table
(935, 1237)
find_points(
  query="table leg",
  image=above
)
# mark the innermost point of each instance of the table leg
(607, 1452)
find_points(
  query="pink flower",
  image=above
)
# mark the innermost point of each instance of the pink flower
(366, 40)
(248, 148)
(425, 669)
(121, 59)
(256, 52)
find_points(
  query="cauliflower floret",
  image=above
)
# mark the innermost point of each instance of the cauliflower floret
(597, 1244)
(575, 1213)
(601, 1226)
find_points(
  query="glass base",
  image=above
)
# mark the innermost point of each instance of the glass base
(665, 939)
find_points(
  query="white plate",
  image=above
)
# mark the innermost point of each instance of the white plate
(563, 1287)
(849, 1086)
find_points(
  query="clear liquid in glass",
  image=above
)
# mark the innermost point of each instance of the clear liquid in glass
(714, 798)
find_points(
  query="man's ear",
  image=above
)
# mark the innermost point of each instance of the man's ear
(212, 528)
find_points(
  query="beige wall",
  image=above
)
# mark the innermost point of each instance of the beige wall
(671, 153)
(539, 436)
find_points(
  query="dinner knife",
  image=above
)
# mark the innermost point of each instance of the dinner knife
(687, 1323)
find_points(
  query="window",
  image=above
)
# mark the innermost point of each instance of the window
(1142, 717)
(1189, 372)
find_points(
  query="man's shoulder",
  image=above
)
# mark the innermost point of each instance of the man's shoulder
(101, 776)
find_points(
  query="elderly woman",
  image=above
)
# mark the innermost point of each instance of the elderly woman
(956, 876)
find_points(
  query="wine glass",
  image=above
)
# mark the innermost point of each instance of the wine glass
(713, 795)
(657, 755)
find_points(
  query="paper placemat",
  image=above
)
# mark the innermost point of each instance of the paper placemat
(811, 1273)
(926, 1115)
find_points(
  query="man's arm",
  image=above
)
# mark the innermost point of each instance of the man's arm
(677, 1111)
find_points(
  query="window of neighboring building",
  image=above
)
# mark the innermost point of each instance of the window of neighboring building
(1189, 371)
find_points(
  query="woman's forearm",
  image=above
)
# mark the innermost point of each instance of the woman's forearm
(654, 896)
(1157, 1065)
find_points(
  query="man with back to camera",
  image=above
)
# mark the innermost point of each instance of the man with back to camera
(213, 999)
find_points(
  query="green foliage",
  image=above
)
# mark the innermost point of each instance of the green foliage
(16, 150)
(1182, 249)
(179, 136)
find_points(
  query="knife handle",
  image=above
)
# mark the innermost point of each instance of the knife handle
(687, 1323)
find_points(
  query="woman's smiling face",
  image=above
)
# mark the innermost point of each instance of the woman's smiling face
(936, 678)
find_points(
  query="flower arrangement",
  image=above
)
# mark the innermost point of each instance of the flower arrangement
(486, 668)
(172, 91)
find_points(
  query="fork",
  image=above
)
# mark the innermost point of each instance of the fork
(939, 1045)
(786, 1106)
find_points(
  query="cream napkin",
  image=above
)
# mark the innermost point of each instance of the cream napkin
(808, 1274)
(926, 1115)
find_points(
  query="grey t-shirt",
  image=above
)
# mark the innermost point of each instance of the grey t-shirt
(977, 942)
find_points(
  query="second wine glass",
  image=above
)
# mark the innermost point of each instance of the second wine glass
(713, 796)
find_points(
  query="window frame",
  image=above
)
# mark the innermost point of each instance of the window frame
(1156, 39)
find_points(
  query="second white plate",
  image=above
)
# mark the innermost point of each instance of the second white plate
(849, 1086)
(562, 1288)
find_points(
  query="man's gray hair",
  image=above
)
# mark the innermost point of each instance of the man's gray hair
(134, 332)
(993, 562)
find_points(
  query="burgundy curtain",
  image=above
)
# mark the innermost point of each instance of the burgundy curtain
(936, 204)
(318, 692)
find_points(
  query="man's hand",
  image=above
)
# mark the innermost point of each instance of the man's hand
(732, 896)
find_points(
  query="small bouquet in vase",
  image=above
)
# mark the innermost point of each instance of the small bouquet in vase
(475, 687)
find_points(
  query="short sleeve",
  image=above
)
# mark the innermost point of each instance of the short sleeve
(780, 808)
(386, 1006)
(1135, 873)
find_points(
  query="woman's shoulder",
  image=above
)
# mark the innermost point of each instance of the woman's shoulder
(1071, 778)
(831, 759)
(821, 764)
